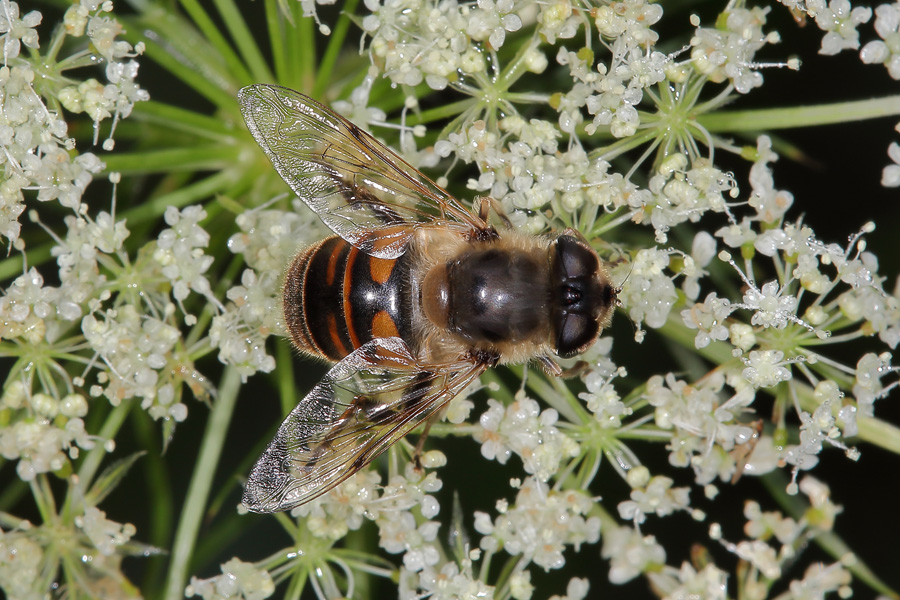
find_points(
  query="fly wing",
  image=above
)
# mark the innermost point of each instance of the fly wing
(361, 189)
(368, 401)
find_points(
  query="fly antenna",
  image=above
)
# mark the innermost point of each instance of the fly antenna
(622, 285)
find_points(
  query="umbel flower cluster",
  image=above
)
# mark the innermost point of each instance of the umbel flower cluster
(144, 276)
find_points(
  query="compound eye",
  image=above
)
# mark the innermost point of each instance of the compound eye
(576, 260)
(575, 334)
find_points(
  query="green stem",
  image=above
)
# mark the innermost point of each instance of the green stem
(336, 43)
(159, 483)
(181, 51)
(212, 33)
(56, 44)
(237, 26)
(439, 113)
(194, 158)
(275, 27)
(516, 67)
(880, 433)
(110, 428)
(285, 378)
(301, 49)
(800, 116)
(13, 265)
(185, 121)
(201, 482)
(192, 193)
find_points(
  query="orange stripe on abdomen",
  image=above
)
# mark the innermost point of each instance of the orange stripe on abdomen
(378, 298)
(332, 267)
(333, 329)
(345, 298)
(383, 325)
(348, 289)
(323, 314)
(381, 269)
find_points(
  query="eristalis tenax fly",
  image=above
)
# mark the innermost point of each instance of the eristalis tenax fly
(413, 298)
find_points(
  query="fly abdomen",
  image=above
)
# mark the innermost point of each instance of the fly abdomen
(337, 298)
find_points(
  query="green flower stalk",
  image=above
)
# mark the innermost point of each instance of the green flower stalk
(147, 237)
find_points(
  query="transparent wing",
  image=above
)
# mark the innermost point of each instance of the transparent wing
(369, 400)
(362, 190)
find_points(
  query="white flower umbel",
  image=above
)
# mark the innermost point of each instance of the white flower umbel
(629, 553)
(886, 50)
(775, 540)
(649, 292)
(448, 582)
(179, 252)
(729, 53)
(539, 525)
(267, 241)
(238, 580)
(522, 428)
(839, 20)
(35, 150)
(652, 495)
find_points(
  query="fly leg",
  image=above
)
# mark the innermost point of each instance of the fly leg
(486, 204)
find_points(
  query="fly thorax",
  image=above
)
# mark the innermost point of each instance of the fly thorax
(496, 295)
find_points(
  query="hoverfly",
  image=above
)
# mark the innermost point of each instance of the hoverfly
(413, 298)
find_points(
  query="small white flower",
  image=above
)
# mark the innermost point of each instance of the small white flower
(729, 52)
(450, 582)
(630, 20)
(840, 21)
(870, 370)
(736, 235)
(890, 176)
(765, 368)
(761, 555)
(558, 19)
(649, 293)
(603, 400)
(239, 580)
(770, 204)
(762, 525)
(15, 30)
(703, 249)
(772, 307)
(491, 20)
(21, 561)
(887, 52)
(820, 581)
(522, 428)
(708, 319)
(709, 583)
(106, 535)
(656, 496)
(630, 554)
(541, 523)
(576, 589)
(520, 587)
(180, 254)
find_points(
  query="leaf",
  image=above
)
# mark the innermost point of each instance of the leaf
(110, 478)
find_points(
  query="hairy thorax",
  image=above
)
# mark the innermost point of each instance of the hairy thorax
(486, 296)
